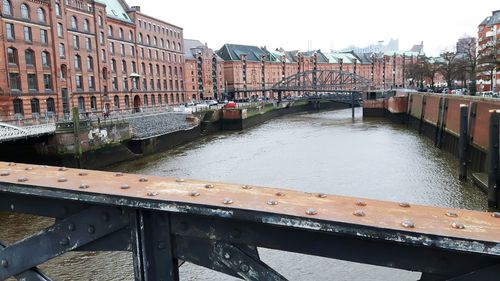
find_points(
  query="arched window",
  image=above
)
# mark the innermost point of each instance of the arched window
(81, 104)
(130, 36)
(29, 56)
(18, 106)
(62, 51)
(45, 59)
(7, 9)
(64, 72)
(178, 46)
(35, 106)
(153, 101)
(12, 56)
(146, 100)
(90, 63)
(86, 25)
(50, 105)
(74, 23)
(140, 38)
(104, 73)
(120, 33)
(127, 101)
(110, 31)
(40, 13)
(113, 65)
(58, 10)
(25, 12)
(78, 62)
(155, 41)
(159, 99)
(168, 44)
(148, 40)
(175, 70)
(93, 103)
(99, 20)
(116, 101)
(124, 66)
(162, 43)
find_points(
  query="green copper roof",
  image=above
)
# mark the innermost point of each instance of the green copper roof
(116, 10)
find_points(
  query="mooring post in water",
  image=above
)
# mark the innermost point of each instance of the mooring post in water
(76, 131)
(493, 167)
(463, 142)
(352, 105)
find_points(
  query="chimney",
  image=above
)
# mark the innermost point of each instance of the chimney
(136, 8)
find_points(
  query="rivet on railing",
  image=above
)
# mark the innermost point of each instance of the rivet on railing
(194, 194)
(361, 203)
(83, 174)
(246, 186)
(359, 213)
(227, 201)
(143, 180)
(321, 195)
(125, 186)
(62, 179)
(496, 215)
(153, 193)
(209, 186)
(4, 173)
(84, 186)
(272, 202)
(119, 174)
(179, 180)
(29, 169)
(280, 194)
(404, 205)
(451, 214)
(457, 225)
(4, 263)
(62, 169)
(22, 179)
(311, 212)
(11, 164)
(408, 224)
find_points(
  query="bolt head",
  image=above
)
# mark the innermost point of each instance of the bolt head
(227, 255)
(29, 169)
(119, 174)
(280, 194)
(62, 179)
(4, 173)
(496, 215)
(180, 180)
(209, 186)
(4, 263)
(311, 212)
(227, 201)
(321, 195)
(91, 229)
(63, 169)
(153, 193)
(194, 194)
(408, 224)
(451, 214)
(64, 241)
(404, 205)
(359, 213)
(244, 267)
(246, 186)
(143, 180)
(361, 203)
(22, 179)
(457, 225)
(71, 227)
(84, 186)
(83, 174)
(125, 186)
(11, 164)
(272, 202)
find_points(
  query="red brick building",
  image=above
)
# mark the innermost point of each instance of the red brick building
(203, 72)
(489, 53)
(96, 56)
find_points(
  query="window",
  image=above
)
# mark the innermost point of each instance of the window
(149, 53)
(74, 23)
(153, 101)
(58, 10)
(81, 104)
(18, 106)
(132, 51)
(140, 23)
(155, 41)
(86, 25)
(35, 106)
(148, 40)
(76, 42)
(10, 31)
(7, 9)
(47, 82)
(29, 56)
(116, 101)
(15, 83)
(32, 83)
(101, 38)
(127, 101)
(12, 56)
(45, 59)
(159, 99)
(113, 65)
(150, 69)
(103, 55)
(124, 66)
(146, 103)
(90, 63)
(59, 30)
(114, 83)
(110, 31)
(88, 44)
(27, 34)
(104, 73)
(140, 38)
(44, 37)
(62, 51)
(78, 62)
(111, 48)
(91, 82)
(162, 43)
(134, 68)
(130, 36)
(50, 105)
(120, 33)
(40, 13)
(79, 82)
(168, 44)
(99, 21)
(143, 68)
(25, 12)
(93, 103)
(125, 84)
(64, 72)
(122, 49)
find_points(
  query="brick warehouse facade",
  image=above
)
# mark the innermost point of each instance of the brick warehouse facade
(250, 71)
(489, 53)
(204, 72)
(92, 55)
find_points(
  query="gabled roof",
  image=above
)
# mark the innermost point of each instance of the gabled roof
(233, 52)
(116, 9)
(192, 47)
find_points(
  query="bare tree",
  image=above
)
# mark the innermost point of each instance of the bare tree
(449, 66)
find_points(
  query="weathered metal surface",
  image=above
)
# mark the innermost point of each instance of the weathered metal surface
(416, 106)
(481, 125)
(374, 104)
(222, 200)
(397, 104)
(453, 114)
(432, 109)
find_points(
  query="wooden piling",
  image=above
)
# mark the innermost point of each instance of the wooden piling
(493, 167)
(463, 141)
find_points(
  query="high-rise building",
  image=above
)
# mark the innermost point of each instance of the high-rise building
(489, 53)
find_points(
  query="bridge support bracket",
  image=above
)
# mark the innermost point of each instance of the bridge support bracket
(65, 235)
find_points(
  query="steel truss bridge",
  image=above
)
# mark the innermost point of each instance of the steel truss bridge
(163, 221)
(10, 132)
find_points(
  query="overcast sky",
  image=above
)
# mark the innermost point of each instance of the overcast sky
(327, 24)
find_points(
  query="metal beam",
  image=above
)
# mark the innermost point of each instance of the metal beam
(32, 274)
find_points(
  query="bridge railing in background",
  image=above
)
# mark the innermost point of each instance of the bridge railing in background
(220, 226)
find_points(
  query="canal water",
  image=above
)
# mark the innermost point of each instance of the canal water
(316, 152)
